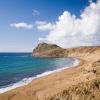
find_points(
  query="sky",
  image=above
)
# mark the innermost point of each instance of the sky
(67, 23)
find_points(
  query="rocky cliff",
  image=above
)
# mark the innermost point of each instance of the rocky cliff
(48, 50)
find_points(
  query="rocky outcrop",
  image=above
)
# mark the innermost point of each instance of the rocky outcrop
(48, 50)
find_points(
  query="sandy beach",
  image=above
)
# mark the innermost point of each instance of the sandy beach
(47, 87)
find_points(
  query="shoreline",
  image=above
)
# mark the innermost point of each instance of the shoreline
(53, 86)
(37, 81)
(34, 83)
(27, 81)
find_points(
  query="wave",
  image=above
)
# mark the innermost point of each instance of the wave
(26, 81)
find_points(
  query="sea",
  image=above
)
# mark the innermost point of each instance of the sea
(18, 69)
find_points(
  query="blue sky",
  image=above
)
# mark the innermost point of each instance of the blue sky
(14, 39)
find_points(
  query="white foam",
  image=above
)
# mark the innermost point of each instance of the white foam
(26, 81)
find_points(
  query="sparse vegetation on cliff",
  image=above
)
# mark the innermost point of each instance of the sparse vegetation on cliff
(48, 50)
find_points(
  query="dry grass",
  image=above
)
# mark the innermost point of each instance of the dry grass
(89, 90)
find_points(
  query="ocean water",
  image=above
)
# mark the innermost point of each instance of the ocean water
(17, 69)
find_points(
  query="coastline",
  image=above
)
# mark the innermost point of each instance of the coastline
(10, 93)
(51, 86)
(26, 81)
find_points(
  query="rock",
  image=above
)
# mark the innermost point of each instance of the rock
(48, 50)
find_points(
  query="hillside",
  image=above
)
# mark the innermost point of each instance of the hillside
(48, 50)
(52, 50)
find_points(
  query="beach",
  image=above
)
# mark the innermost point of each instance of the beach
(49, 86)
(44, 85)
(50, 50)
(19, 69)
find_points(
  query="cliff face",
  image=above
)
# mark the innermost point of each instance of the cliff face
(48, 50)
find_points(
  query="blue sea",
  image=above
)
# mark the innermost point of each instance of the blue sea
(17, 69)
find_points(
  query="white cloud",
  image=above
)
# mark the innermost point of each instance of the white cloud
(22, 25)
(44, 26)
(70, 31)
(35, 13)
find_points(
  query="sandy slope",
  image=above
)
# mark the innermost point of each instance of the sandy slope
(51, 86)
